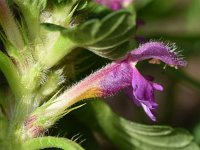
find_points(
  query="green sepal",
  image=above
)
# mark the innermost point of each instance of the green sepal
(50, 85)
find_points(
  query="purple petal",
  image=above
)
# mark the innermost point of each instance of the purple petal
(114, 4)
(143, 91)
(148, 112)
(118, 78)
(159, 51)
(157, 87)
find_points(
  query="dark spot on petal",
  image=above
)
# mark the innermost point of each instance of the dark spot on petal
(135, 88)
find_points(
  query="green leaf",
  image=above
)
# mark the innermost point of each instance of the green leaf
(116, 52)
(129, 135)
(76, 131)
(107, 33)
(105, 37)
(51, 142)
(93, 11)
(196, 132)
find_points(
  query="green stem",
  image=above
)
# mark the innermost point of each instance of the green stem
(62, 47)
(51, 142)
(11, 74)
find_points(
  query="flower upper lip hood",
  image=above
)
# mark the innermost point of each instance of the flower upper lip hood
(158, 50)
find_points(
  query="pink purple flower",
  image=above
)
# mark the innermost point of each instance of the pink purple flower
(114, 77)
(123, 75)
